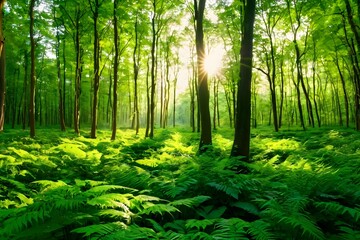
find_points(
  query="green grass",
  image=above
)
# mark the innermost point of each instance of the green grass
(302, 185)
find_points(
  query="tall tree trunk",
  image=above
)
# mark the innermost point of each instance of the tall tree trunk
(346, 99)
(354, 29)
(205, 137)
(281, 91)
(32, 70)
(153, 63)
(116, 65)
(174, 99)
(314, 85)
(136, 63)
(95, 11)
(64, 79)
(148, 104)
(78, 72)
(61, 102)
(241, 145)
(2, 69)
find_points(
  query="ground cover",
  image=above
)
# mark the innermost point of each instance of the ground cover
(301, 185)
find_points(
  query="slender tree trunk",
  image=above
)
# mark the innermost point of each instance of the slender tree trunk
(174, 100)
(354, 29)
(346, 99)
(116, 65)
(78, 71)
(95, 11)
(214, 106)
(205, 137)
(148, 100)
(2, 69)
(281, 92)
(64, 78)
(25, 92)
(32, 70)
(153, 63)
(314, 85)
(241, 145)
(136, 62)
(61, 102)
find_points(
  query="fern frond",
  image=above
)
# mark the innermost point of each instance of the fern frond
(305, 224)
(69, 204)
(47, 185)
(112, 200)
(249, 207)
(200, 224)
(209, 212)
(177, 225)
(190, 202)
(116, 214)
(98, 190)
(229, 188)
(260, 230)
(159, 209)
(156, 225)
(100, 229)
(339, 209)
(27, 218)
(13, 184)
(348, 233)
(146, 198)
(233, 228)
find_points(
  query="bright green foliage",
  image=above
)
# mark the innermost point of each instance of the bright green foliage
(301, 185)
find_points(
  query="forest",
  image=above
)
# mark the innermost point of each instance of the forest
(183, 119)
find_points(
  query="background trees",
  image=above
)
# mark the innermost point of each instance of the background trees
(306, 72)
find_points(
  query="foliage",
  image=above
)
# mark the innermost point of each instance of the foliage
(301, 185)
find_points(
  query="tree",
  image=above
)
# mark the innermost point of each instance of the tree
(241, 144)
(32, 70)
(60, 86)
(94, 6)
(205, 136)
(2, 69)
(116, 65)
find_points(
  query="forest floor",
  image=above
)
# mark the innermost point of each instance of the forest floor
(301, 185)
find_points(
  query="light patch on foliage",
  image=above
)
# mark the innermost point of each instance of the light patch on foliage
(151, 162)
(22, 153)
(283, 145)
(72, 150)
(94, 156)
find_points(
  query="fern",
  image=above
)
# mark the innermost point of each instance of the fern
(112, 200)
(339, 209)
(249, 207)
(190, 202)
(98, 190)
(260, 230)
(233, 228)
(159, 209)
(100, 229)
(209, 212)
(229, 188)
(200, 224)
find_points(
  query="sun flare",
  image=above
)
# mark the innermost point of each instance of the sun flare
(213, 62)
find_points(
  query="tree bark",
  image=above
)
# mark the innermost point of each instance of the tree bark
(136, 63)
(116, 65)
(241, 144)
(2, 69)
(32, 70)
(153, 62)
(95, 11)
(205, 136)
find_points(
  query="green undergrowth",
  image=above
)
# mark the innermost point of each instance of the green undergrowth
(301, 185)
